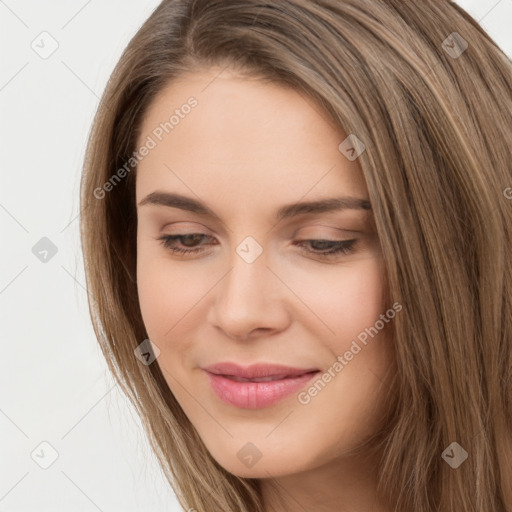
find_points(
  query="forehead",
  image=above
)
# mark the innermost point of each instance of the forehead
(242, 138)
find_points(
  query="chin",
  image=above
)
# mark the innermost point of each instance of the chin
(250, 462)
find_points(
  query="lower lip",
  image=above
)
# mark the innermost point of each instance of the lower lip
(256, 395)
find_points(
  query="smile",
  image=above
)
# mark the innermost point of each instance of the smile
(258, 392)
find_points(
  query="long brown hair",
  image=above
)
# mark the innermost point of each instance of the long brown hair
(430, 95)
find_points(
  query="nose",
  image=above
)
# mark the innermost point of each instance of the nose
(249, 301)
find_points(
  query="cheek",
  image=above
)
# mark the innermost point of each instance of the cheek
(351, 306)
(169, 300)
(363, 338)
(361, 299)
(165, 295)
(338, 303)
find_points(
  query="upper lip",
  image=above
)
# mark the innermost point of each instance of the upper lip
(256, 370)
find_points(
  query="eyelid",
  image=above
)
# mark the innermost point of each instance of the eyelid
(338, 231)
(196, 228)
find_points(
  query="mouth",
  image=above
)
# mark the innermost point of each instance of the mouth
(255, 372)
(256, 392)
(265, 379)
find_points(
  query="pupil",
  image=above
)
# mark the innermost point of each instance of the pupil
(188, 240)
(321, 244)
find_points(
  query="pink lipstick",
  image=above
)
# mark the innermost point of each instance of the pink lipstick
(258, 385)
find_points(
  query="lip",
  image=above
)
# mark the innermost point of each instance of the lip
(257, 370)
(256, 395)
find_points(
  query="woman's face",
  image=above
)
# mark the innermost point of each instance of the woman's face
(258, 288)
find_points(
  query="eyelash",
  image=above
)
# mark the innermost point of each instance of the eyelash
(340, 246)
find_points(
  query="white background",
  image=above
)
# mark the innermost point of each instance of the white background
(54, 385)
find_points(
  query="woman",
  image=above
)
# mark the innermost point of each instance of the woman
(296, 225)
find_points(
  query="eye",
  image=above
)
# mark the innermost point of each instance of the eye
(328, 248)
(320, 248)
(168, 241)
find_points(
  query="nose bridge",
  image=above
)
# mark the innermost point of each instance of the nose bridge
(249, 275)
(246, 298)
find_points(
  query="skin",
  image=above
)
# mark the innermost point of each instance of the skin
(248, 148)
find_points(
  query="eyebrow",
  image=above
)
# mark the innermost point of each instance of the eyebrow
(287, 211)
